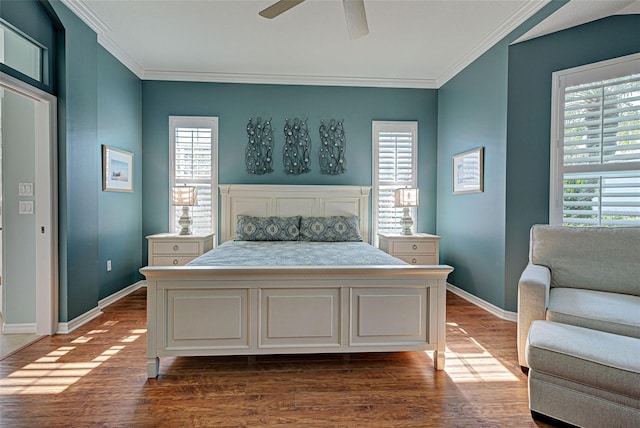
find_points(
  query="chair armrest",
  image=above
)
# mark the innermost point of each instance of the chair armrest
(533, 300)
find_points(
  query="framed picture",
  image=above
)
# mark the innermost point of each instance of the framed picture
(117, 170)
(468, 172)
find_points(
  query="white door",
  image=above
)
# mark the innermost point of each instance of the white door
(35, 207)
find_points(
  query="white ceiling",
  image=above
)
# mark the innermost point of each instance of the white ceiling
(412, 43)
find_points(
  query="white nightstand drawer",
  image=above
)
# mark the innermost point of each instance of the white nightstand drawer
(172, 261)
(418, 259)
(170, 249)
(414, 247)
(417, 249)
(176, 248)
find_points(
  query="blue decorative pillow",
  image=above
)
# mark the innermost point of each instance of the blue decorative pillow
(330, 229)
(267, 228)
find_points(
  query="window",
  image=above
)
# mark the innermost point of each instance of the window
(595, 155)
(193, 161)
(395, 154)
(20, 53)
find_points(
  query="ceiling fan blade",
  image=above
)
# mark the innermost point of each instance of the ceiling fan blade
(356, 18)
(278, 8)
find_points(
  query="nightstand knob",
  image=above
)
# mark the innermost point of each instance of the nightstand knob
(415, 247)
(175, 261)
(176, 248)
(414, 261)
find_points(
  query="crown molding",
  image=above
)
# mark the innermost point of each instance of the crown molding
(577, 13)
(114, 49)
(514, 21)
(81, 9)
(84, 12)
(102, 30)
(288, 79)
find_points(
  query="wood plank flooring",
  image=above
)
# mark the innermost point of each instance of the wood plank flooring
(96, 376)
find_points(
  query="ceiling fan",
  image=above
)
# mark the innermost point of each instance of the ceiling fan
(353, 11)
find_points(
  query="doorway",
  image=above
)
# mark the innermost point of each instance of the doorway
(29, 294)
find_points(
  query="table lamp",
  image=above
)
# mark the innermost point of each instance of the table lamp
(185, 197)
(406, 198)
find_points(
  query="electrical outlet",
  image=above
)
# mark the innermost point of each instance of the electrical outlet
(108, 265)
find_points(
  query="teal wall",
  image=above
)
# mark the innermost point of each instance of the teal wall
(529, 125)
(119, 214)
(501, 102)
(79, 174)
(99, 101)
(235, 103)
(472, 112)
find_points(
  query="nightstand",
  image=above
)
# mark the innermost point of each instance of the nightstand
(418, 249)
(171, 249)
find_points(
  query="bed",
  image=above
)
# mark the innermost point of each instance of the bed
(229, 302)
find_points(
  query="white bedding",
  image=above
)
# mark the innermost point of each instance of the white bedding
(294, 253)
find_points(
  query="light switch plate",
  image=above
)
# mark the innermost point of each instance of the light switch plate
(25, 189)
(25, 207)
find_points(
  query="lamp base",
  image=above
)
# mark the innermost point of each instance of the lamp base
(407, 222)
(185, 222)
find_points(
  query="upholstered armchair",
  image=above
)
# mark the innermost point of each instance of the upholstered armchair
(583, 276)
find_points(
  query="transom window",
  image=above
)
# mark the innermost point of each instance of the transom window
(20, 53)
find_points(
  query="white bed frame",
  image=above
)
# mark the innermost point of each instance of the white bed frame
(201, 310)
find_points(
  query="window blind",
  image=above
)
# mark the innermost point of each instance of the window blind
(601, 153)
(194, 164)
(395, 146)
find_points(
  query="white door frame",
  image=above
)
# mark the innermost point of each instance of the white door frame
(46, 202)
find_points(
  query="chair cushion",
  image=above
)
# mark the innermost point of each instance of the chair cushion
(591, 357)
(610, 312)
(594, 258)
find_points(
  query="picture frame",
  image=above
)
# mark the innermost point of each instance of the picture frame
(468, 172)
(117, 170)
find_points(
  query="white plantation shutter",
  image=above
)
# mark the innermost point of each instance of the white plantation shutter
(194, 163)
(598, 147)
(395, 165)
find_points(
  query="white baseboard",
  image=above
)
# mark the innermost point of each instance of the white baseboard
(120, 294)
(492, 309)
(68, 327)
(18, 328)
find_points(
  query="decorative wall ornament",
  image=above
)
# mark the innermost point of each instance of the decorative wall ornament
(258, 156)
(332, 147)
(297, 147)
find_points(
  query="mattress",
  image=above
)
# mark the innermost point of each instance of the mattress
(294, 253)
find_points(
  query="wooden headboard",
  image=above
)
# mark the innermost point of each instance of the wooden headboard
(263, 200)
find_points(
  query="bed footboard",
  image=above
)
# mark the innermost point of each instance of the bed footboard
(197, 311)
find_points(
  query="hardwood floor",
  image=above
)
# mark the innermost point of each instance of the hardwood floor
(96, 376)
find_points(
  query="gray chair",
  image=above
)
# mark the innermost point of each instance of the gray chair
(579, 324)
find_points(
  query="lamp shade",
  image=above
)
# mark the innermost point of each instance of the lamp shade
(406, 197)
(184, 196)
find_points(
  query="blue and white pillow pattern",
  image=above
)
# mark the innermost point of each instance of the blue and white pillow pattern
(330, 229)
(316, 229)
(267, 228)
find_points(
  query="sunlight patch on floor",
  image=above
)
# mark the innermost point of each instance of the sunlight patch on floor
(47, 375)
(475, 364)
